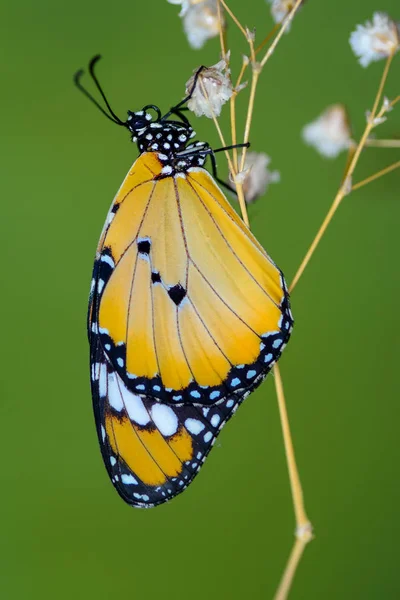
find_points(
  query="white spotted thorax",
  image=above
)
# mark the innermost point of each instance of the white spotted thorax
(169, 139)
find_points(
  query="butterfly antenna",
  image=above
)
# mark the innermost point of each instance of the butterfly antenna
(77, 80)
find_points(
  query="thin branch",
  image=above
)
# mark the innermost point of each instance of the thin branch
(345, 188)
(395, 101)
(384, 171)
(302, 521)
(221, 30)
(290, 570)
(371, 142)
(217, 126)
(249, 117)
(285, 24)
(268, 37)
(235, 19)
(382, 83)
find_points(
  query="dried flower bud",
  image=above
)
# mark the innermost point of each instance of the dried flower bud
(213, 89)
(256, 176)
(386, 105)
(330, 132)
(200, 20)
(374, 121)
(375, 40)
(184, 3)
(250, 34)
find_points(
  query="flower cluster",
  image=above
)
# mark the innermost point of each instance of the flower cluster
(213, 88)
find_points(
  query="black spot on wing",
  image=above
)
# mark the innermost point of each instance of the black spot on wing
(155, 277)
(177, 293)
(144, 246)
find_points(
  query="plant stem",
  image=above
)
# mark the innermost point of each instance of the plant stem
(285, 25)
(267, 37)
(221, 30)
(380, 173)
(290, 570)
(382, 143)
(235, 19)
(344, 188)
(302, 521)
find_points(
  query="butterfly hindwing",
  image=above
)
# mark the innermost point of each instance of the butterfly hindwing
(152, 451)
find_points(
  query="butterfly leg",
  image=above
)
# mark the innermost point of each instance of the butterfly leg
(179, 106)
(215, 175)
(214, 165)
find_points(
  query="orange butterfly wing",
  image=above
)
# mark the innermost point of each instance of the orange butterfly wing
(187, 315)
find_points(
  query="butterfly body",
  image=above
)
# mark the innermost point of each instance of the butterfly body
(187, 314)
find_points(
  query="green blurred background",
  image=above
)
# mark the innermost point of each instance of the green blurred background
(65, 532)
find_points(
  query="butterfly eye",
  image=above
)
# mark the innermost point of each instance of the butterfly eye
(138, 120)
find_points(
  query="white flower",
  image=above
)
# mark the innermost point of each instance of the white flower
(212, 90)
(376, 39)
(186, 4)
(386, 105)
(200, 21)
(256, 176)
(280, 9)
(330, 132)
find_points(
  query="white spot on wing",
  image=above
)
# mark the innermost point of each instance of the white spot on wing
(114, 394)
(103, 380)
(128, 479)
(194, 426)
(164, 419)
(107, 259)
(215, 419)
(134, 406)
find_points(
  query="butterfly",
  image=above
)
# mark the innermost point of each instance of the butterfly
(187, 313)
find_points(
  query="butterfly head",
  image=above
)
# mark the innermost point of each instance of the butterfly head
(137, 122)
(154, 132)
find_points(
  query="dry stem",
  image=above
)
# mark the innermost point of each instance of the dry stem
(290, 569)
(380, 173)
(371, 142)
(345, 188)
(303, 525)
(302, 522)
